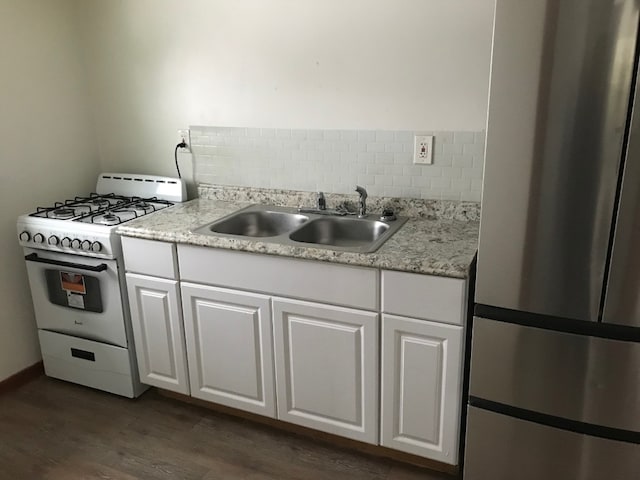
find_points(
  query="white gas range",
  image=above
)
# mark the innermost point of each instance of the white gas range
(74, 264)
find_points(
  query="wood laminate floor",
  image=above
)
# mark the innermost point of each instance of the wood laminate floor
(51, 429)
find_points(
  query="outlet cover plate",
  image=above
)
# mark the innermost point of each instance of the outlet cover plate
(184, 136)
(423, 150)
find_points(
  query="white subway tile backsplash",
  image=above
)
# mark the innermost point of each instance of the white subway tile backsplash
(432, 172)
(401, 181)
(337, 160)
(403, 137)
(375, 169)
(420, 182)
(349, 136)
(441, 182)
(464, 137)
(473, 149)
(452, 149)
(331, 135)
(383, 181)
(385, 137)
(366, 136)
(375, 147)
(464, 161)
(315, 134)
(394, 147)
(444, 137)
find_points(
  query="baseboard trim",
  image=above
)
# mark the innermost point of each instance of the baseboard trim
(334, 440)
(23, 376)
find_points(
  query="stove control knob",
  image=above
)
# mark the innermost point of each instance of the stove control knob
(86, 245)
(66, 242)
(38, 238)
(53, 240)
(96, 247)
(25, 236)
(75, 243)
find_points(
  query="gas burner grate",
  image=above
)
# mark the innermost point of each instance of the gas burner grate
(122, 212)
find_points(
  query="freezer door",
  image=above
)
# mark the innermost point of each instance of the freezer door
(622, 301)
(580, 378)
(560, 83)
(500, 447)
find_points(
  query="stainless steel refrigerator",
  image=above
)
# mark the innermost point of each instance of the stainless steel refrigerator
(554, 389)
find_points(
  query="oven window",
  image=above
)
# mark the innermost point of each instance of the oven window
(74, 290)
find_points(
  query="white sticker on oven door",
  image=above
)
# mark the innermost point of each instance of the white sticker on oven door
(75, 300)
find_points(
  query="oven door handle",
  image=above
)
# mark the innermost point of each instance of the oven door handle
(33, 257)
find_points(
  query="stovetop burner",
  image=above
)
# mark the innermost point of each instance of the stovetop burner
(99, 202)
(107, 219)
(62, 213)
(142, 205)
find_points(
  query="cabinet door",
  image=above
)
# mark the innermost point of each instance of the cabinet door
(158, 332)
(327, 368)
(230, 347)
(421, 387)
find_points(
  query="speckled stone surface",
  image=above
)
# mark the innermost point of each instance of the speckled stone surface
(408, 207)
(434, 246)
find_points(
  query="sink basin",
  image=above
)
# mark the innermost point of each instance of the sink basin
(341, 232)
(287, 226)
(256, 223)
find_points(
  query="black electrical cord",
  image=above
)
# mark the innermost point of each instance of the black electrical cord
(175, 155)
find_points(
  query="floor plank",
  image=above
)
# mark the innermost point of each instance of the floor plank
(55, 430)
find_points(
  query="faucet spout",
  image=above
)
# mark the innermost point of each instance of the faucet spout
(362, 203)
(322, 202)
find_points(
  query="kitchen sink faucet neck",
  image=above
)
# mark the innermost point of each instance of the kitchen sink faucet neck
(322, 202)
(362, 202)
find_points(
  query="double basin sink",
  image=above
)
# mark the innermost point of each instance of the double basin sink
(288, 226)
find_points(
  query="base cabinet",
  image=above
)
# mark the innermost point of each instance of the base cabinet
(199, 330)
(229, 346)
(327, 368)
(421, 387)
(158, 332)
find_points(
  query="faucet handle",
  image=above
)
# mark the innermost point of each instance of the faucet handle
(322, 202)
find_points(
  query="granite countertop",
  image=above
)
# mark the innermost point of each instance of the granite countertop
(429, 243)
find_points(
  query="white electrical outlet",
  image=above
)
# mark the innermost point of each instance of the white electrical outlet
(184, 136)
(423, 150)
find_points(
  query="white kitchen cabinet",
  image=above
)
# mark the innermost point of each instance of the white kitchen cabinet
(158, 332)
(428, 297)
(327, 368)
(309, 349)
(230, 347)
(421, 387)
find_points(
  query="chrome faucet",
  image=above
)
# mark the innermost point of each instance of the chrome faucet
(362, 203)
(322, 202)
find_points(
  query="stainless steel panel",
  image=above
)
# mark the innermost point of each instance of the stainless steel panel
(622, 301)
(561, 75)
(588, 379)
(505, 448)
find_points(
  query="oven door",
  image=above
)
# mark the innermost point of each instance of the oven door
(77, 295)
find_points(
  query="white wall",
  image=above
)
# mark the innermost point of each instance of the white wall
(159, 65)
(47, 148)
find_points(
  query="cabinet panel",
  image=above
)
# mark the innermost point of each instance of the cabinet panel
(158, 332)
(229, 345)
(150, 257)
(421, 387)
(327, 368)
(305, 279)
(433, 298)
